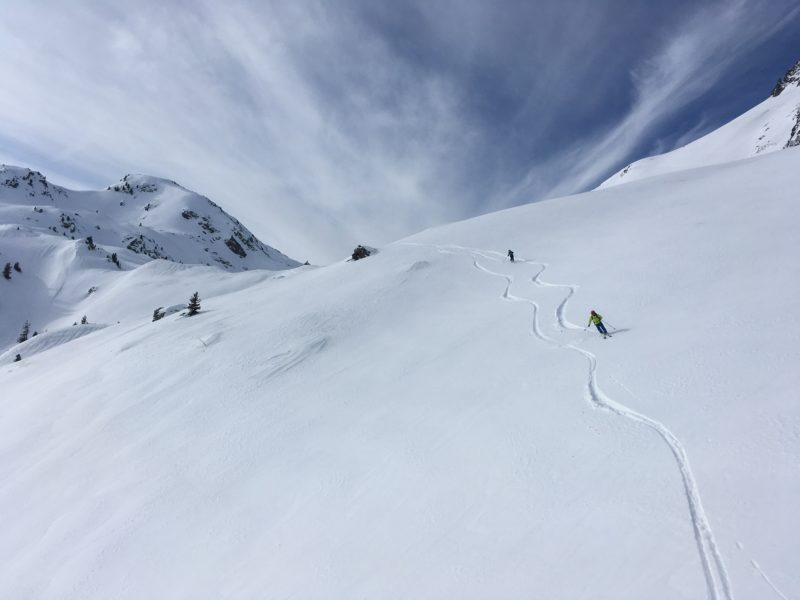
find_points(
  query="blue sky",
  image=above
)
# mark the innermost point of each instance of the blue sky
(326, 124)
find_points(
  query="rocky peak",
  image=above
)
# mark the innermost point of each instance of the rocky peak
(792, 77)
(131, 184)
(31, 183)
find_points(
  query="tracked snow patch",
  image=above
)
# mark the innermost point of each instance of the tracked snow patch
(434, 422)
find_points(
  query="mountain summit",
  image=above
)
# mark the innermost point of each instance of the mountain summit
(792, 77)
(141, 215)
(74, 248)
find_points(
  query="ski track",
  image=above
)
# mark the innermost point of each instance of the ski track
(280, 363)
(757, 567)
(716, 575)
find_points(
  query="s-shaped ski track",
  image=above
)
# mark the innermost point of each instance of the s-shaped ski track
(716, 575)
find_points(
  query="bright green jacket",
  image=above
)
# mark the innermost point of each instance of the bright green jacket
(595, 319)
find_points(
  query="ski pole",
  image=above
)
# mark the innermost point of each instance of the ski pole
(610, 325)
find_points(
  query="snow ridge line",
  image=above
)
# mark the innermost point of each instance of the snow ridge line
(711, 559)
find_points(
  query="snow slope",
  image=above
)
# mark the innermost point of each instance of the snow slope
(46, 229)
(772, 125)
(435, 422)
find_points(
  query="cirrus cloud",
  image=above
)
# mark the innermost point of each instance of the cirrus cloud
(322, 125)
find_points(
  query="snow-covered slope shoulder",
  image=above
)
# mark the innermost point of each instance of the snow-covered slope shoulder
(772, 125)
(435, 422)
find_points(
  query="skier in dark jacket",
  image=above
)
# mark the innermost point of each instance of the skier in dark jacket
(597, 320)
(511, 255)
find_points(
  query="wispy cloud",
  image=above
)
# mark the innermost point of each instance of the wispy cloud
(689, 63)
(293, 115)
(673, 141)
(323, 125)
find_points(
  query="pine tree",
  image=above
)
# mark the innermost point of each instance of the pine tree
(23, 335)
(90, 243)
(158, 314)
(7, 271)
(194, 304)
(84, 320)
(115, 260)
(17, 268)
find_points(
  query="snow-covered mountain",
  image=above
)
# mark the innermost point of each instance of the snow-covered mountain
(63, 242)
(772, 125)
(434, 421)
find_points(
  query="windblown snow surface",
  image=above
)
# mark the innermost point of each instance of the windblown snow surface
(434, 421)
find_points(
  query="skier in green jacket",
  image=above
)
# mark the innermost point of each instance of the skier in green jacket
(597, 321)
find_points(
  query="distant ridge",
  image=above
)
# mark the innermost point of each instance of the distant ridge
(143, 215)
(770, 126)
